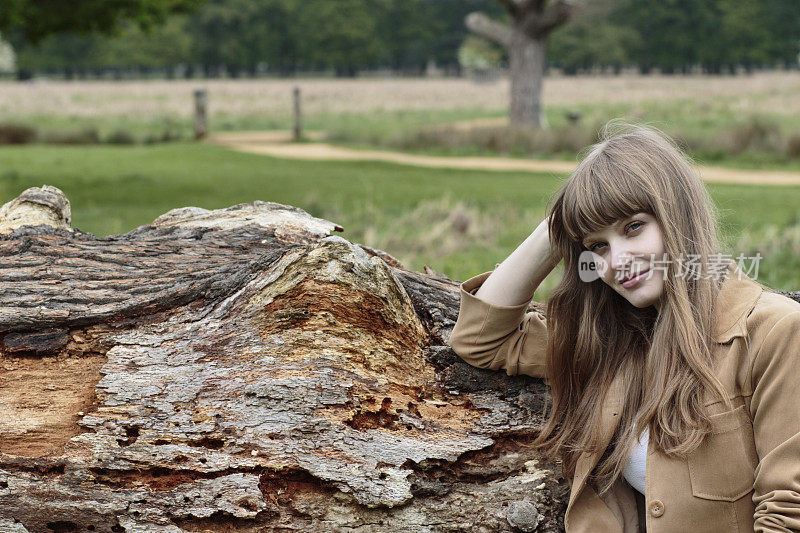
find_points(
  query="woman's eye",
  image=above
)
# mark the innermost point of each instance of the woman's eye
(633, 226)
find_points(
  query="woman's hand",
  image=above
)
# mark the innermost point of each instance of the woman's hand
(515, 280)
(555, 254)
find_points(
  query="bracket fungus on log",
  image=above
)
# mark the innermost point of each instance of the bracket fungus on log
(245, 369)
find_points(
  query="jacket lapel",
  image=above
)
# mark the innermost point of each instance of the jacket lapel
(609, 420)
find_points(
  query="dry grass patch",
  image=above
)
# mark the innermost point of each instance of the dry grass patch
(442, 226)
(501, 140)
(774, 92)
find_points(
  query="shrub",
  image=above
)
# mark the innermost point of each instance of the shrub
(17, 134)
(754, 133)
(121, 136)
(170, 133)
(497, 139)
(82, 136)
(793, 145)
(437, 226)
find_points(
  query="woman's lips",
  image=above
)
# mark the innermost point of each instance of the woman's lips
(632, 282)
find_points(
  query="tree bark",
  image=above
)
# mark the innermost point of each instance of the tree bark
(525, 40)
(527, 59)
(247, 370)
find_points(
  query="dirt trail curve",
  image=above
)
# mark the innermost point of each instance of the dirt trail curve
(278, 144)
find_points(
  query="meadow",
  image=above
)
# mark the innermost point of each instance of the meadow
(749, 121)
(458, 222)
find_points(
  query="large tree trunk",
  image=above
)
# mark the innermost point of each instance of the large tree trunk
(245, 370)
(525, 40)
(527, 57)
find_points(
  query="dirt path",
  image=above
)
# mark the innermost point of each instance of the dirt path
(278, 144)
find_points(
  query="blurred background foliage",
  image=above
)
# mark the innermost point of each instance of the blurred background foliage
(236, 38)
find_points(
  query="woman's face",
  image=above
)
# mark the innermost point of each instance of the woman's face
(629, 257)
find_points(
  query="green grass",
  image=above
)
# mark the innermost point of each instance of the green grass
(458, 222)
(114, 189)
(714, 131)
(377, 124)
(711, 132)
(142, 128)
(375, 127)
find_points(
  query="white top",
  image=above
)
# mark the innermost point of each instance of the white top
(637, 461)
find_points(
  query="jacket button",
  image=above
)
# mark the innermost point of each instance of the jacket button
(656, 508)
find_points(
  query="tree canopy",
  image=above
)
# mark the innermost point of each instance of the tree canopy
(677, 34)
(35, 19)
(249, 36)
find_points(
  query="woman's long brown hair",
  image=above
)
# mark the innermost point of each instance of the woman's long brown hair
(664, 357)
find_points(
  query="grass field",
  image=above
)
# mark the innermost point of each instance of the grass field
(745, 121)
(458, 222)
(767, 92)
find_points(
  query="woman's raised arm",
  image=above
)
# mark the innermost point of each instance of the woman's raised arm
(515, 280)
(493, 329)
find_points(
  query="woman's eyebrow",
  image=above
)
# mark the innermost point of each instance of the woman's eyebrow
(590, 236)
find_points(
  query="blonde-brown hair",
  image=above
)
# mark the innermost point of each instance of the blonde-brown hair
(665, 357)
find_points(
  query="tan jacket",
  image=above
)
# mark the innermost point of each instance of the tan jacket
(745, 477)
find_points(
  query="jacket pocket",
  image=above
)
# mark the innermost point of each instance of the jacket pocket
(723, 466)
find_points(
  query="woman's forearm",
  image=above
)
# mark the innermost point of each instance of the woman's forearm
(515, 280)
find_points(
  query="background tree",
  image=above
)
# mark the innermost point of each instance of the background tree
(69, 53)
(225, 35)
(341, 34)
(525, 37)
(446, 20)
(249, 37)
(783, 25)
(593, 38)
(8, 59)
(405, 33)
(717, 35)
(162, 47)
(744, 33)
(131, 49)
(671, 31)
(479, 54)
(34, 19)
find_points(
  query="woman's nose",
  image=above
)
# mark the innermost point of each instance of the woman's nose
(621, 258)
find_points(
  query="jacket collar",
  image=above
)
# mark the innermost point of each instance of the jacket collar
(737, 297)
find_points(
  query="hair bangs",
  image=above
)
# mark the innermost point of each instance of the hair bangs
(602, 191)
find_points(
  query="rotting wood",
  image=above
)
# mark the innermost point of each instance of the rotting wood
(246, 370)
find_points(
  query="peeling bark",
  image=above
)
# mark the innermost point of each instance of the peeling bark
(246, 370)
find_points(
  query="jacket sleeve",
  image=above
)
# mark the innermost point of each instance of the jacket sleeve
(499, 337)
(775, 410)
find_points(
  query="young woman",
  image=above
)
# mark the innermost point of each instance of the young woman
(675, 378)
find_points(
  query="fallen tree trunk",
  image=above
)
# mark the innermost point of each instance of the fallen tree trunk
(246, 370)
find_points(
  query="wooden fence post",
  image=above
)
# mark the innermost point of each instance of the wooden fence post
(200, 113)
(298, 119)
